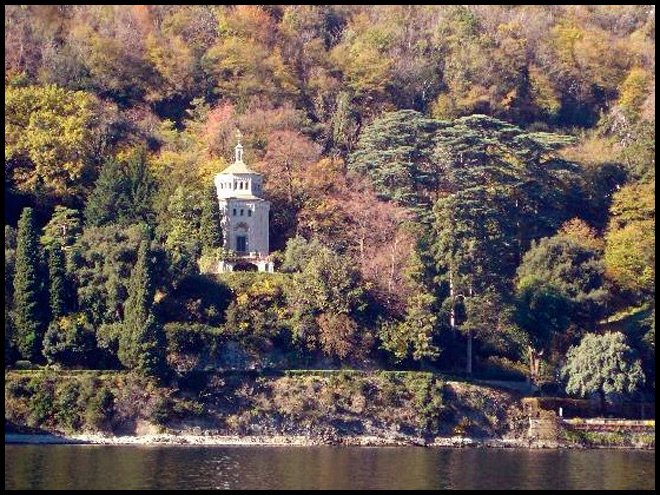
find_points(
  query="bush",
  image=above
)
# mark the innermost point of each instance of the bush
(196, 299)
(427, 392)
(66, 410)
(100, 408)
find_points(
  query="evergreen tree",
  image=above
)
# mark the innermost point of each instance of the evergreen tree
(141, 343)
(210, 229)
(123, 193)
(151, 344)
(30, 309)
(395, 152)
(141, 188)
(109, 199)
(57, 283)
(63, 228)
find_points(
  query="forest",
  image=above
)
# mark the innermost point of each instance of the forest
(466, 189)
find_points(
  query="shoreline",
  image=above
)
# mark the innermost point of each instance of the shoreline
(293, 441)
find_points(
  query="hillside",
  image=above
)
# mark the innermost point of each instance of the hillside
(462, 189)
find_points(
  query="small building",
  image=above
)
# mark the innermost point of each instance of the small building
(244, 216)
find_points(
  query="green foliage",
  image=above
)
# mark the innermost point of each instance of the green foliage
(326, 285)
(29, 290)
(298, 253)
(196, 299)
(257, 310)
(58, 285)
(100, 262)
(150, 344)
(123, 193)
(142, 340)
(412, 337)
(51, 134)
(210, 228)
(394, 151)
(341, 109)
(427, 393)
(542, 310)
(602, 364)
(100, 408)
(63, 228)
(574, 271)
(69, 341)
(108, 199)
(10, 262)
(182, 231)
(66, 414)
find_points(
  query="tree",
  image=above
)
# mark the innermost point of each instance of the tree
(62, 229)
(329, 285)
(151, 348)
(99, 265)
(109, 199)
(142, 341)
(575, 270)
(298, 253)
(392, 151)
(338, 335)
(630, 239)
(602, 364)
(182, 231)
(123, 193)
(560, 292)
(412, 337)
(210, 228)
(473, 253)
(51, 134)
(542, 312)
(69, 340)
(30, 299)
(58, 285)
(244, 62)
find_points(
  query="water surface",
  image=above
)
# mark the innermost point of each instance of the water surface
(270, 467)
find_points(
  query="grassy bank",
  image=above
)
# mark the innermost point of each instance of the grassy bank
(383, 404)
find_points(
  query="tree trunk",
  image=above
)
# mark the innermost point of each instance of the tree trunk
(452, 312)
(534, 363)
(469, 353)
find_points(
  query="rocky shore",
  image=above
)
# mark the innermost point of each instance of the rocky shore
(289, 440)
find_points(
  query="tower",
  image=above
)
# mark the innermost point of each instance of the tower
(244, 215)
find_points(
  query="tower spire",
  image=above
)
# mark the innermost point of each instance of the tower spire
(239, 147)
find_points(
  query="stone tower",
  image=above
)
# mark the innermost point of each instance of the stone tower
(244, 215)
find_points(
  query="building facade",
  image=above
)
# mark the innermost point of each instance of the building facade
(244, 216)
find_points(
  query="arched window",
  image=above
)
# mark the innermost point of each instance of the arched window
(241, 211)
(240, 185)
(249, 213)
(234, 212)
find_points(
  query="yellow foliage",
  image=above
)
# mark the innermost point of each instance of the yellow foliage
(544, 94)
(634, 90)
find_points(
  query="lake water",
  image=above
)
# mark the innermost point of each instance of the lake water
(193, 467)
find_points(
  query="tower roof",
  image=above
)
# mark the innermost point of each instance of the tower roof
(239, 166)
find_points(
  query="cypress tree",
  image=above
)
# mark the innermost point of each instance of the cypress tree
(141, 343)
(109, 199)
(210, 229)
(57, 283)
(151, 344)
(141, 188)
(30, 307)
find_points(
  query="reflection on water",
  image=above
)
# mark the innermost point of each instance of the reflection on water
(159, 467)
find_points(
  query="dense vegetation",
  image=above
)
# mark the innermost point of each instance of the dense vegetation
(452, 187)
